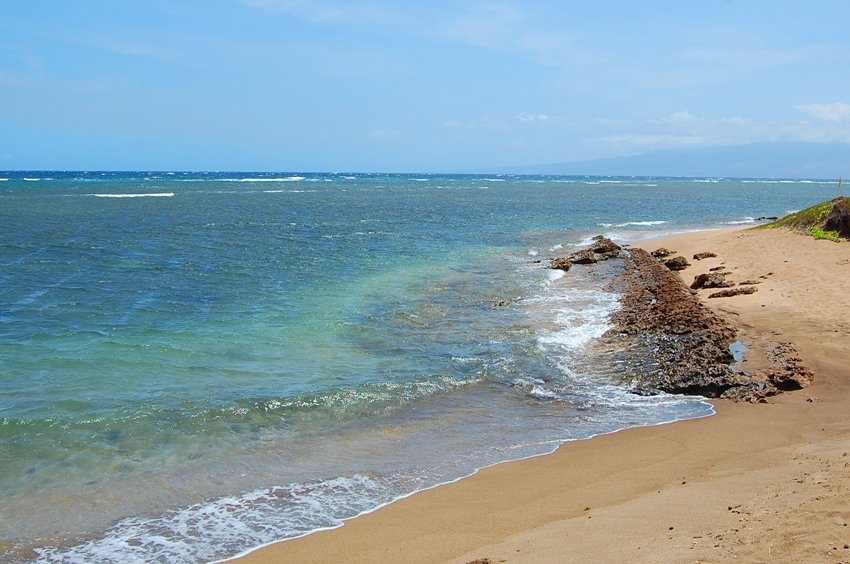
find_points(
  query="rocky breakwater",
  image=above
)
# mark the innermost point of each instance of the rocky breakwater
(667, 340)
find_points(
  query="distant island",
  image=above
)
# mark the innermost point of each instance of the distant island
(756, 160)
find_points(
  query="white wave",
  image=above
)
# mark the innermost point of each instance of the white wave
(533, 252)
(282, 179)
(742, 221)
(789, 212)
(628, 223)
(494, 179)
(556, 247)
(288, 191)
(422, 179)
(150, 195)
(254, 518)
(610, 181)
(36, 179)
(3, 179)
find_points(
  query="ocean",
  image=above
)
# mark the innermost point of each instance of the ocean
(195, 364)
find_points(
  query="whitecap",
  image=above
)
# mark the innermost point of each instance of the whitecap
(151, 195)
(632, 223)
(281, 179)
(742, 221)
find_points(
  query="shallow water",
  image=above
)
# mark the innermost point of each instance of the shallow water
(194, 364)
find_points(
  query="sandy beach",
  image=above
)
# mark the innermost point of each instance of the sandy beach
(758, 482)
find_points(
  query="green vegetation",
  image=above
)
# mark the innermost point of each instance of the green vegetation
(827, 220)
(823, 234)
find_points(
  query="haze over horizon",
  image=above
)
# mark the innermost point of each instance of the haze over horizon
(443, 86)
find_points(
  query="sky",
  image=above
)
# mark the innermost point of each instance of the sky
(303, 85)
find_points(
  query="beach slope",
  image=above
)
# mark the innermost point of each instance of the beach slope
(765, 481)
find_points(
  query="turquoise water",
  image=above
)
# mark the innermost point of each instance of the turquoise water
(192, 364)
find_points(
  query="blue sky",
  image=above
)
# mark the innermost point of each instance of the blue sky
(411, 86)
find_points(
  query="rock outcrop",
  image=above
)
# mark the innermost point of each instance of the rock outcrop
(601, 249)
(667, 340)
(661, 320)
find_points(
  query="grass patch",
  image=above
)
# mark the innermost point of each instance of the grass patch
(827, 220)
(819, 233)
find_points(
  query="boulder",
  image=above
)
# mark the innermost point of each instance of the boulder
(711, 280)
(661, 252)
(705, 255)
(677, 263)
(728, 293)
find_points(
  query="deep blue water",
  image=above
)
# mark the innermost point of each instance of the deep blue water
(192, 364)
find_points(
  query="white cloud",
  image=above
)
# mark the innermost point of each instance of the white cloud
(680, 117)
(837, 111)
(519, 121)
(532, 117)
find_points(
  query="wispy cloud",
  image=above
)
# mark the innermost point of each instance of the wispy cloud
(509, 27)
(504, 27)
(521, 120)
(836, 111)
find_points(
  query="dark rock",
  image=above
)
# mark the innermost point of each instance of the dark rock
(504, 303)
(705, 255)
(839, 218)
(606, 247)
(749, 282)
(716, 268)
(661, 252)
(734, 292)
(711, 280)
(601, 249)
(660, 320)
(585, 256)
(562, 263)
(786, 370)
(677, 263)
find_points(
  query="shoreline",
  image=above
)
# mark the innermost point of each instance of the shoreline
(689, 484)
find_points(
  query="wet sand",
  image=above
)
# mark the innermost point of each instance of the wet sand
(760, 482)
